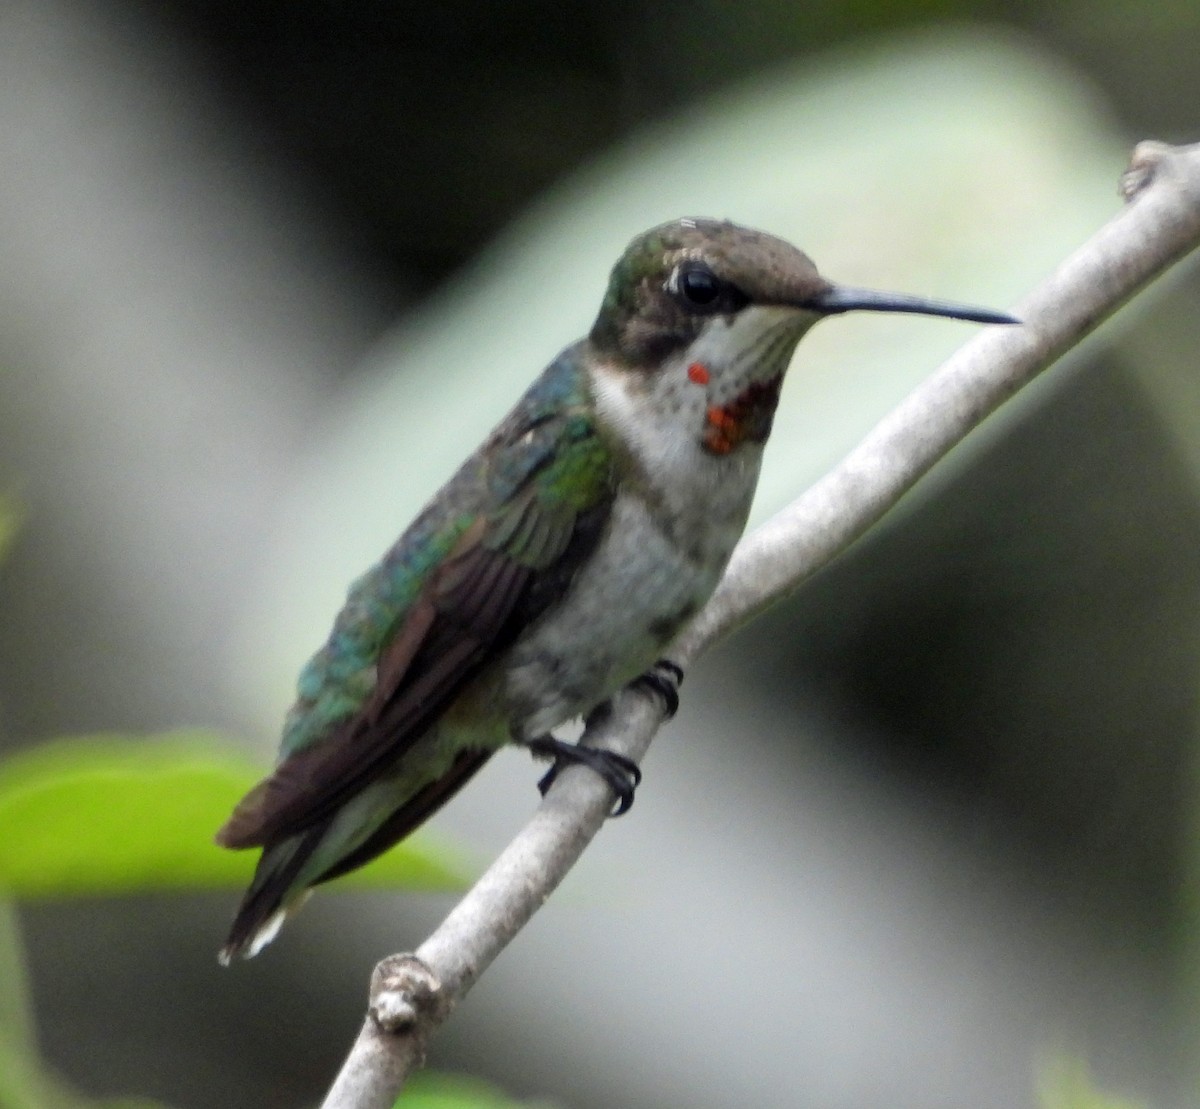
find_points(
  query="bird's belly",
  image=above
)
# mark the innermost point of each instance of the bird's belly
(623, 607)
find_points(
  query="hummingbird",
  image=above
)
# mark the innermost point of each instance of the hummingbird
(554, 567)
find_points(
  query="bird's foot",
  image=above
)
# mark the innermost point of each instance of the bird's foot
(663, 678)
(622, 775)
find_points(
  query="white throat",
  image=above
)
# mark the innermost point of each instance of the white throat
(664, 417)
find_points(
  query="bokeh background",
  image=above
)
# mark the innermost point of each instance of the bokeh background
(922, 837)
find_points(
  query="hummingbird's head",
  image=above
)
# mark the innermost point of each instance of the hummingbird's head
(701, 302)
(679, 281)
(695, 277)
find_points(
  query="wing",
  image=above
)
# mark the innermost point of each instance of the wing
(548, 491)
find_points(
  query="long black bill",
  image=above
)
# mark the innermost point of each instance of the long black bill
(841, 298)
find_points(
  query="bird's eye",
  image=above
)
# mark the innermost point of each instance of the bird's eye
(699, 287)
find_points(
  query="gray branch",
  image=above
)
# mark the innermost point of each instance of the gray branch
(412, 994)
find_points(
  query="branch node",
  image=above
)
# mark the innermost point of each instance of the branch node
(405, 992)
(1144, 164)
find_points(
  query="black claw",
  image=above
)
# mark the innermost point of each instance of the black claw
(663, 678)
(547, 779)
(622, 775)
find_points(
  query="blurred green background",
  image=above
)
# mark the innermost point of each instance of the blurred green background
(923, 837)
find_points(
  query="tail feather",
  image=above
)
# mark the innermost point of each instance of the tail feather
(267, 903)
(287, 866)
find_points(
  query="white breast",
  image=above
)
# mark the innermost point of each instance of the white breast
(670, 535)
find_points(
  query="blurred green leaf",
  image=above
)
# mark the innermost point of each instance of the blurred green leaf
(1067, 1084)
(16, 1020)
(10, 522)
(430, 1090)
(125, 1103)
(24, 1083)
(110, 814)
(21, 1082)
